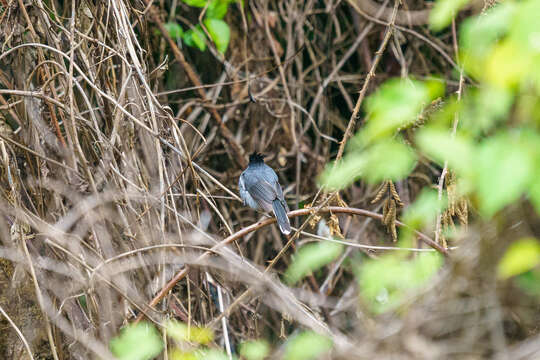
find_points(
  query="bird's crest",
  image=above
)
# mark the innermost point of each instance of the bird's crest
(256, 157)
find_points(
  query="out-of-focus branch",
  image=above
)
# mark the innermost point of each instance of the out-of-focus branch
(403, 17)
(253, 227)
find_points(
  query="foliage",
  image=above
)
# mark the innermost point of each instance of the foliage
(306, 345)
(254, 350)
(376, 153)
(181, 332)
(385, 282)
(218, 30)
(495, 164)
(310, 258)
(119, 163)
(137, 342)
(522, 256)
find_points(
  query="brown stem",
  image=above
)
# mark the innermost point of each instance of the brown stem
(370, 75)
(302, 212)
(403, 17)
(227, 134)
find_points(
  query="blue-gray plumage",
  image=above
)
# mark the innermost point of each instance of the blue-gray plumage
(260, 189)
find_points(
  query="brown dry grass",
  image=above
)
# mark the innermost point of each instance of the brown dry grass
(120, 154)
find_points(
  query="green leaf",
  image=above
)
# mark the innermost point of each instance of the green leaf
(311, 257)
(254, 350)
(387, 159)
(485, 108)
(175, 30)
(439, 144)
(211, 354)
(525, 28)
(217, 9)
(196, 3)
(307, 345)
(534, 191)
(423, 211)
(219, 32)
(504, 168)
(386, 281)
(137, 342)
(521, 256)
(396, 103)
(195, 37)
(177, 354)
(478, 35)
(507, 66)
(180, 332)
(198, 354)
(529, 142)
(340, 175)
(443, 12)
(529, 282)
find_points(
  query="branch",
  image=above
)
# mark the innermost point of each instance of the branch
(403, 17)
(352, 121)
(227, 134)
(253, 227)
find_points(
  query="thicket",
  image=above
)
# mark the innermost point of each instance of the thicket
(406, 135)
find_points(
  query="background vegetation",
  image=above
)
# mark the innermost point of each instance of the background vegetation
(405, 134)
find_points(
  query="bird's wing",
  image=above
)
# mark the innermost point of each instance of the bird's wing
(271, 175)
(242, 188)
(262, 190)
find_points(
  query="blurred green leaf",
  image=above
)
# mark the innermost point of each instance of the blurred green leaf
(485, 108)
(196, 3)
(211, 354)
(396, 103)
(307, 345)
(217, 9)
(504, 168)
(535, 77)
(177, 354)
(530, 282)
(175, 30)
(521, 256)
(384, 282)
(478, 35)
(180, 332)
(423, 211)
(342, 174)
(219, 32)
(195, 37)
(525, 27)
(198, 354)
(534, 191)
(443, 12)
(254, 350)
(504, 68)
(311, 257)
(137, 342)
(441, 145)
(387, 159)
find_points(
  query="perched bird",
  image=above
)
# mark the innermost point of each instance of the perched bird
(260, 189)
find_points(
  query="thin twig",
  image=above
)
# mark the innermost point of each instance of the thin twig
(442, 178)
(254, 227)
(19, 333)
(352, 121)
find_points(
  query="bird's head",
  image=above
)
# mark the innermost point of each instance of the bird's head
(256, 158)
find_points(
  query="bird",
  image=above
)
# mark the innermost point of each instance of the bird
(260, 189)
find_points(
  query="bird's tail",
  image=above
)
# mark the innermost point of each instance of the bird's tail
(281, 217)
